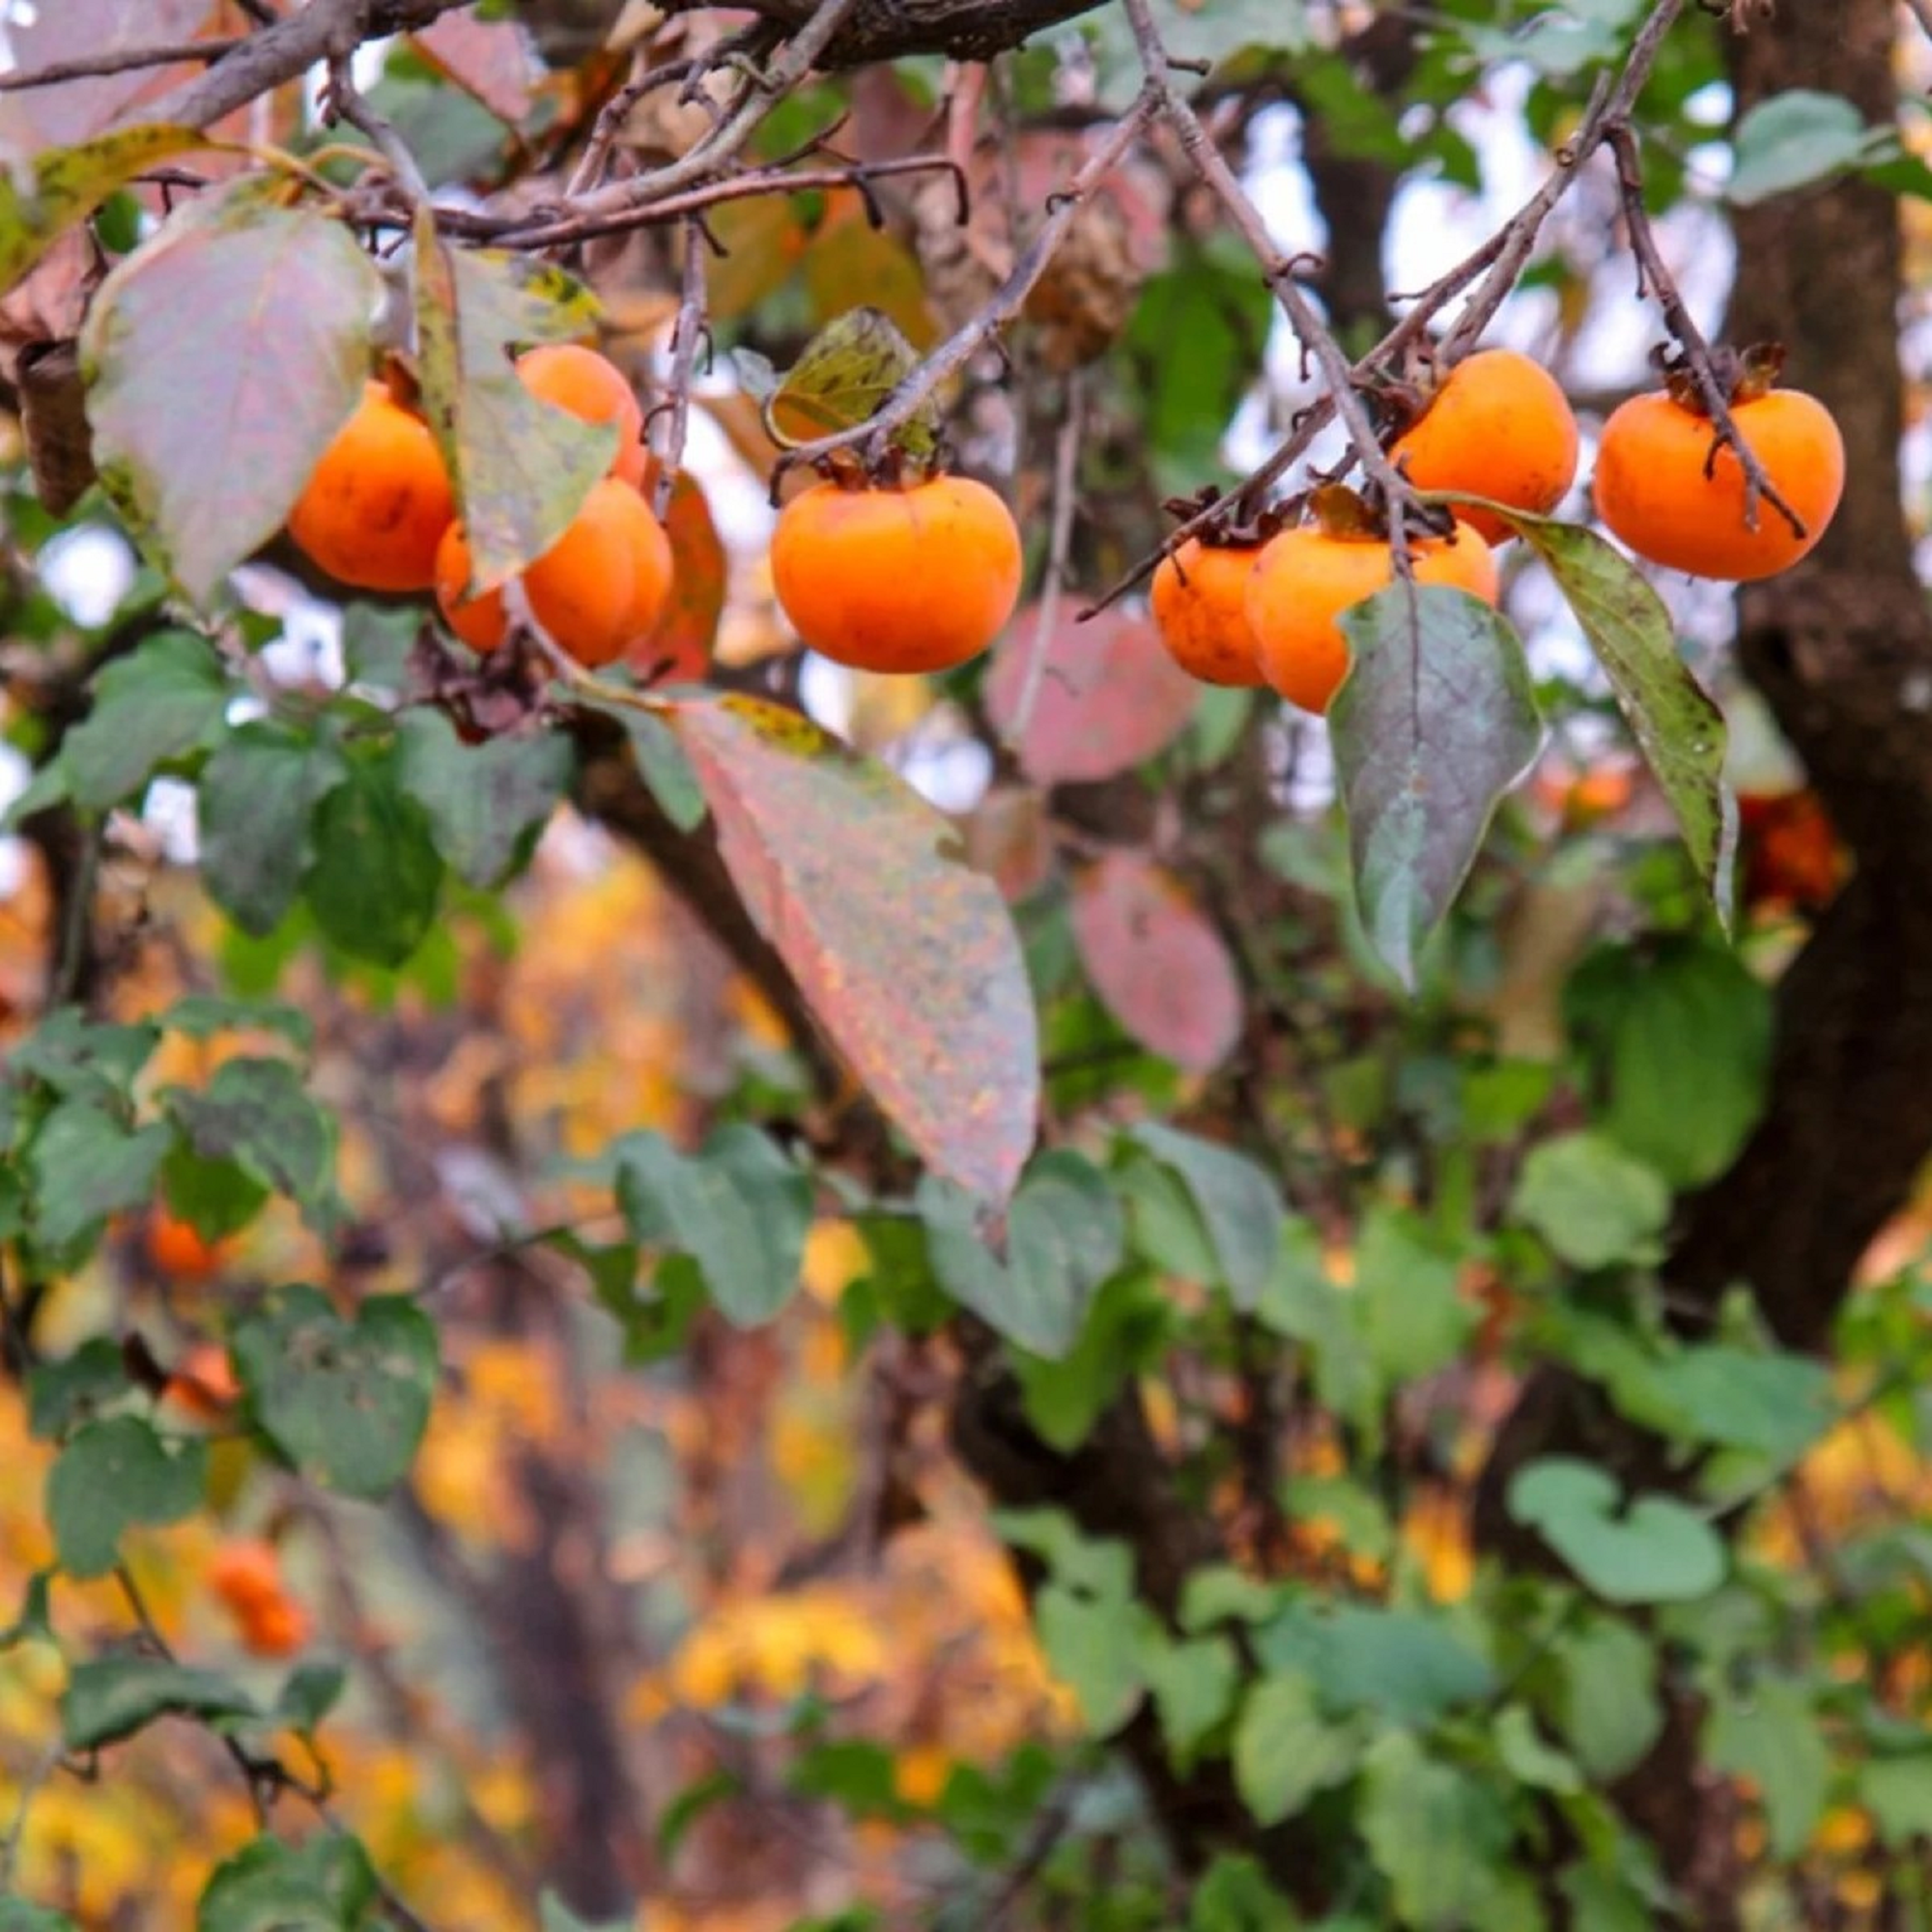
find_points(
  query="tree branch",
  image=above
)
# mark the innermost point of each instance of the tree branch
(879, 30)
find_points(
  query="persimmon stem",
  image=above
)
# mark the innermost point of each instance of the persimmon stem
(1654, 278)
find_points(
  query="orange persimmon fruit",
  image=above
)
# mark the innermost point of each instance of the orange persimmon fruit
(204, 1385)
(1651, 489)
(179, 1250)
(1499, 426)
(1201, 608)
(376, 506)
(596, 591)
(592, 388)
(1307, 577)
(909, 580)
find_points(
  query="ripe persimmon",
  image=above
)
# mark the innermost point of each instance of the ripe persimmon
(179, 1250)
(908, 580)
(1306, 578)
(1499, 426)
(276, 1630)
(376, 506)
(204, 1387)
(1201, 608)
(594, 390)
(1651, 489)
(247, 1575)
(598, 589)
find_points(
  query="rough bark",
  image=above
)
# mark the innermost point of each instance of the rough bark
(967, 30)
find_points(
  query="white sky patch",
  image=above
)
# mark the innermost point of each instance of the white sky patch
(87, 571)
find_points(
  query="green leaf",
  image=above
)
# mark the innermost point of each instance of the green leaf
(221, 358)
(1775, 1405)
(1286, 1752)
(1772, 1735)
(1608, 1702)
(202, 1016)
(257, 802)
(1677, 728)
(377, 872)
(1897, 1792)
(112, 1697)
(1235, 1895)
(63, 1393)
(377, 642)
(217, 1198)
(111, 1476)
(311, 1692)
(324, 1885)
(86, 1165)
(1656, 1550)
(1434, 722)
(521, 467)
(1529, 1759)
(1408, 1665)
(1795, 138)
(78, 1057)
(258, 1114)
(1194, 1682)
(1414, 1319)
(18, 1915)
(1681, 1035)
(1066, 1234)
(1434, 1834)
(346, 1402)
(739, 1208)
(1094, 1647)
(830, 852)
(148, 708)
(664, 768)
(486, 802)
(1591, 1202)
(69, 183)
(845, 373)
(1239, 1202)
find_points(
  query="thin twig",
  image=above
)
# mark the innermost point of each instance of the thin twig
(953, 354)
(343, 100)
(122, 60)
(690, 330)
(1658, 280)
(1065, 472)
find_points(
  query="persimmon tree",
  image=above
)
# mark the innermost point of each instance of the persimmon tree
(608, 1311)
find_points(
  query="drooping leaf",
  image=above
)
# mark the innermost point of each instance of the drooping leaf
(1239, 1206)
(486, 802)
(110, 1476)
(327, 1885)
(162, 700)
(1286, 1751)
(1652, 1549)
(846, 371)
(1105, 696)
(521, 467)
(87, 1164)
(739, 1208)
(832, 853)
(257, 1113)
(1434, 722)
(108, 1698)
(1066, 1234)
(222, 359)
(346, 1402)
(1677, 726)
(69, 183)
(665, 769)
(377, 874)
(680, 647)
(311, 1692)
(1156, 960)
(257, 799)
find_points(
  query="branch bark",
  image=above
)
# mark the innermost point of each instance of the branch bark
(966, 30)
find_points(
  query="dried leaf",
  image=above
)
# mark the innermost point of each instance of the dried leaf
(846, 374)
(680, 647)
(908, 957)
(1107, 696)
(222, 359)
(1156, 961)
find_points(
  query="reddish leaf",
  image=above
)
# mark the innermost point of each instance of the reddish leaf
(1156, 961)
(908, 959)
(679, 650)
(65, 30)
(222, 359)
(1107, 696)
(1009, 838)
(485, 58)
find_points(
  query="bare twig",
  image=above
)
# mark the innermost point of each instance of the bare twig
(343, 100)
(1655, 277)
(1005, 303)
(122, 60)
(690, 330)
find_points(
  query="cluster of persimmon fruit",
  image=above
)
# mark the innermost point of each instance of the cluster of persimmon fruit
(1253, 609)
(378, 513)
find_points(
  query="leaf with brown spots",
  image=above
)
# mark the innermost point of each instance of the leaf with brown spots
(908, 957)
